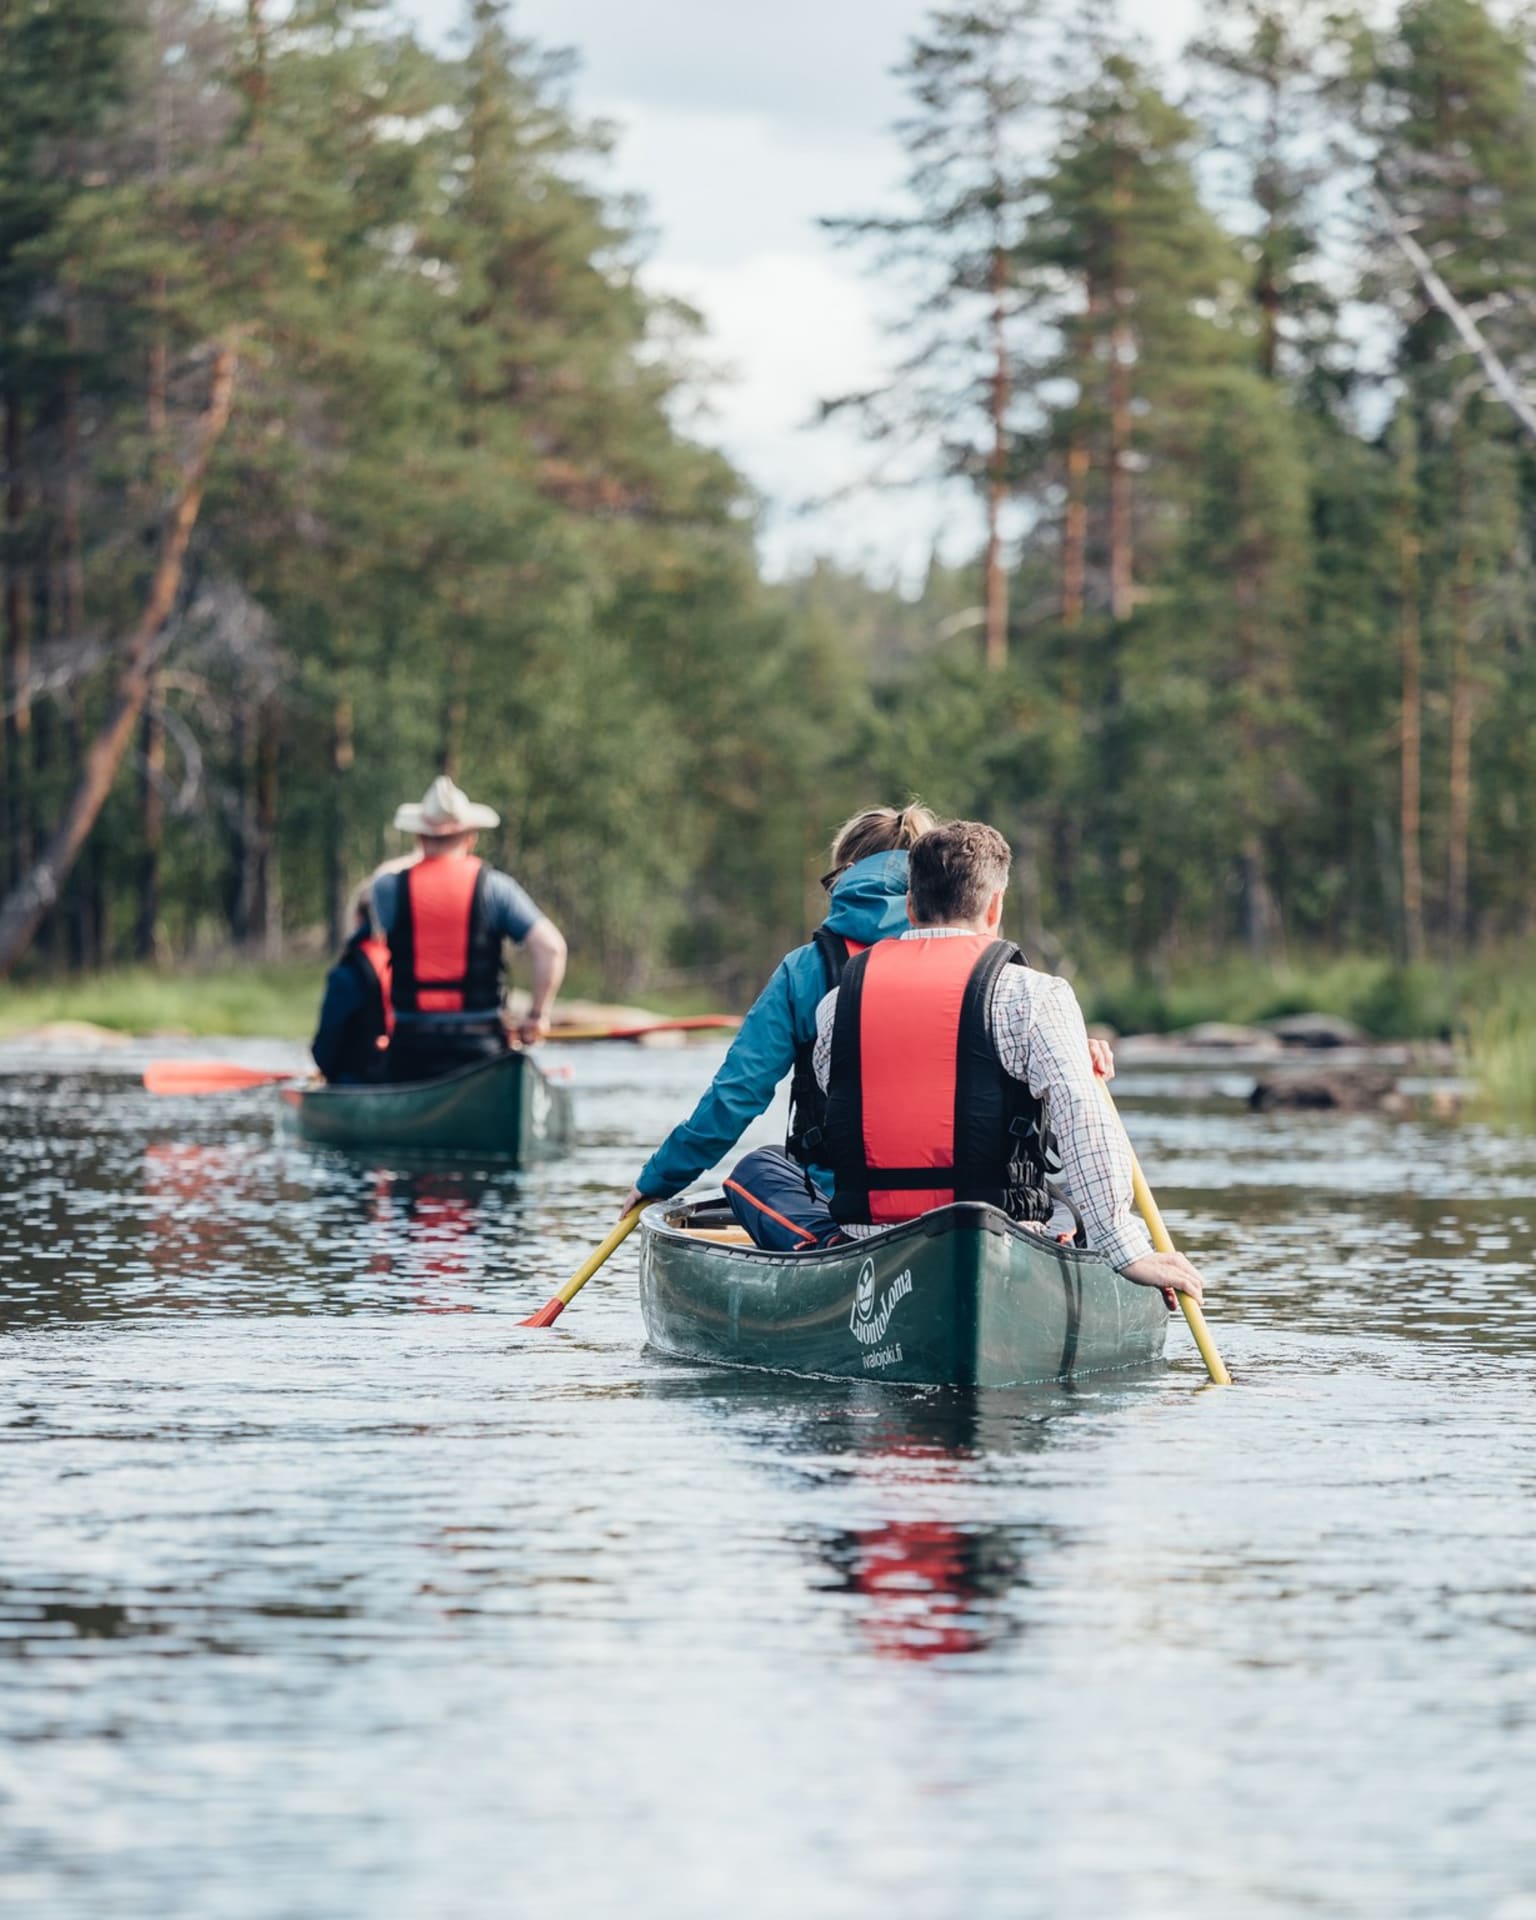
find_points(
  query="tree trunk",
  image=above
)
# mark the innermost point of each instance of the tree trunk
(1411, 783)
(1459, 812)
(1122, 565)
(455, 713)
(18, 647)
(148, 940)
(342, 756)
(997, 475)
(1074, 533)
(268, 916)
(1411, 656)
(30, 900)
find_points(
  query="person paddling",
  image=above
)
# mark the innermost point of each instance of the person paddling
(867, 883)
(953, 1071)
(443, 919)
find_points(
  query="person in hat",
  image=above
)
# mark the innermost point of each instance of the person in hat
(440, 921)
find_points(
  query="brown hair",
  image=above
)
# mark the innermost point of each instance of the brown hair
(955, 871)
(878, 830)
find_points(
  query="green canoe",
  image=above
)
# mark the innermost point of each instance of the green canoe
(961, 1297)
(504, 1110)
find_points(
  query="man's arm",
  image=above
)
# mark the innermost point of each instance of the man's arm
(1042, 1041)
(1045, 1044)
(544, 944)
(514, 916)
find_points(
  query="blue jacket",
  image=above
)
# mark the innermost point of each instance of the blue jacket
(869, 903)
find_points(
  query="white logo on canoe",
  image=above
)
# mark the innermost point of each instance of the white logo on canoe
(868, 1322)
(540, 1107)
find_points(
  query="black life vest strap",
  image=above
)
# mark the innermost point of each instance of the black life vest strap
(807, 1102)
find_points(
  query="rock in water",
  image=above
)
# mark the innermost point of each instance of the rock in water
(1345, 1090)
(67, 1036)
(1221, 1036)
(1317, 1030)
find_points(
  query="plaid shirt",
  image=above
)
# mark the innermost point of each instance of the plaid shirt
(1041, 1040)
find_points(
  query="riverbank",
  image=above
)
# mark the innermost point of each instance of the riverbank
(1488, 1004)
(270, 1002)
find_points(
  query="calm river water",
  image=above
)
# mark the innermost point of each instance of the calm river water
(326, 1591)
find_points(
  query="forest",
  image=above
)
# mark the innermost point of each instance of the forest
(342, 441)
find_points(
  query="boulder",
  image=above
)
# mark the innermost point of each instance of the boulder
(67, 1036)
(1342, 1090)
(1221, 1036)
(1317, 1030)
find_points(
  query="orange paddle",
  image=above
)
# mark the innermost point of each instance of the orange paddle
(552, 1308)
(700, 1023)
(207, 1076)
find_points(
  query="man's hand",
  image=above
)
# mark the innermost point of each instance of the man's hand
(634, 1198)
(1103, 1057)
(532, 1028)
(1170, 1271)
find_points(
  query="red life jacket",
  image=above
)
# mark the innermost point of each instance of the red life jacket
(445, 959)
(920, 1113)
(807, 1102)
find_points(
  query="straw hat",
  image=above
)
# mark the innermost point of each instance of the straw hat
(443, 810)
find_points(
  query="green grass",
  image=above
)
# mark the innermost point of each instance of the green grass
(1501, 1049)
(276, 1001)
(1389, 1001)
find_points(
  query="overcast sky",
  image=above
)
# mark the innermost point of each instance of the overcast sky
(741, 123)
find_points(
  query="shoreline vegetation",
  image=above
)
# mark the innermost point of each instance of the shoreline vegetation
(1487, 1006)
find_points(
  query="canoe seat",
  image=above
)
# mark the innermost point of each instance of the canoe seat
(727, 1236)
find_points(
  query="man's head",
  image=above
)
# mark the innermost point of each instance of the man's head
(957, 876)
(446, 821)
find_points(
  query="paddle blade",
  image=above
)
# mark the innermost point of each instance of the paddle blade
(547, 1315)
(205, 1076)
(698, 1023)
(551, 1311)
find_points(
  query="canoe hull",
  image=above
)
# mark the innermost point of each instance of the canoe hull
(503, 1110)
(962, 1297)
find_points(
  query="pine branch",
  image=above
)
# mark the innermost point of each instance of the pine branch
(1499, 376)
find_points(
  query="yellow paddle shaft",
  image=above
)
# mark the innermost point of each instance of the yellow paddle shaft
(610, 1246)
(1162, 1239)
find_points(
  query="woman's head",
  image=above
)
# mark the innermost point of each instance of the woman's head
(876, 830)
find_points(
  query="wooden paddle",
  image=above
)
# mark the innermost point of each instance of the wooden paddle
(703, 1023)
(207, 1076)
(552, 1309)
(1162, 1239)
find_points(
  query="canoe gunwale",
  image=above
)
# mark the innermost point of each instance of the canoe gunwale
(963, 1216)
(384, 1089)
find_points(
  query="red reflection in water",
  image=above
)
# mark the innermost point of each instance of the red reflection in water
(435, 1215)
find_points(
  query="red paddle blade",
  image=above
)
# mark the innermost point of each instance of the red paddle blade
(547, 1315)
(205, 1076)
(698, 1023)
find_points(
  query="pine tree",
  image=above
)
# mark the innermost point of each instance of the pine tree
(972, 138)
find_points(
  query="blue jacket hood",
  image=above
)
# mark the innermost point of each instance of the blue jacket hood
(869, 902)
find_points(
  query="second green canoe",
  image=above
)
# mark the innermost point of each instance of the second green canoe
(961, 1297)
(504, 1110)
